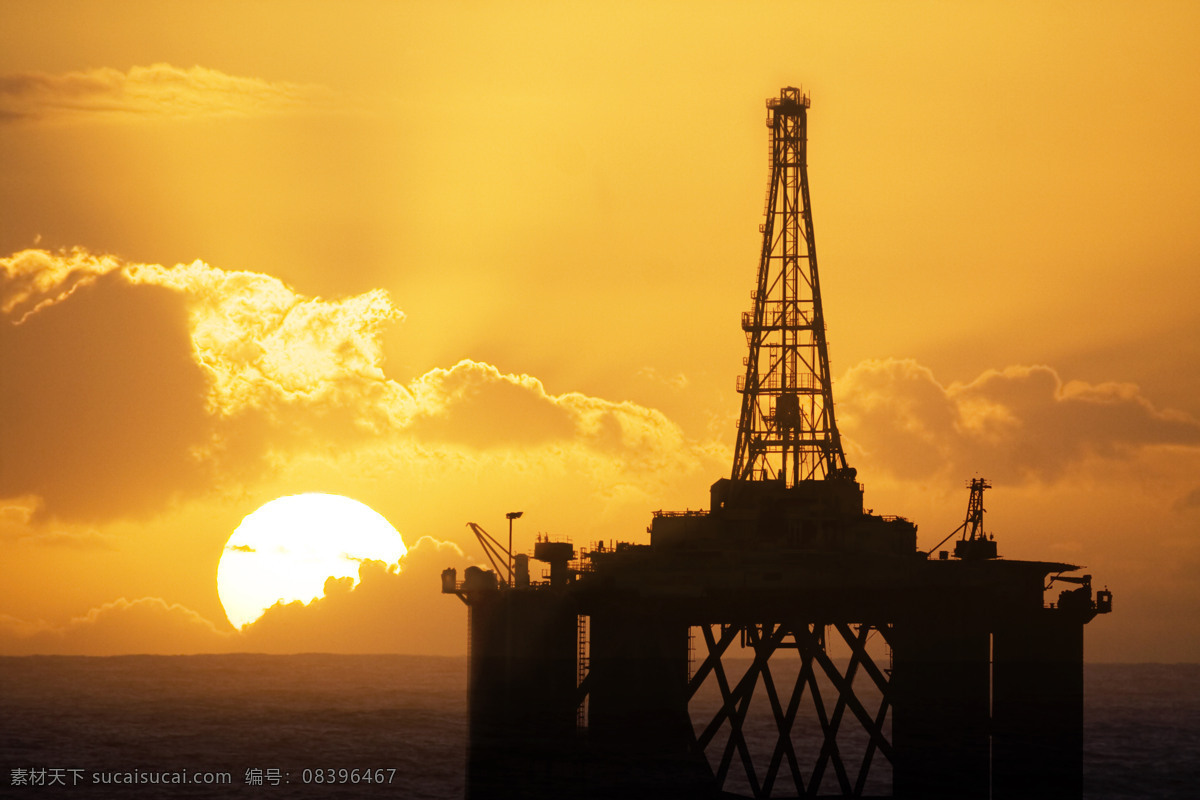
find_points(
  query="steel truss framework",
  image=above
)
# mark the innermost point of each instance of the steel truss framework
(786, 430)
(805, 774)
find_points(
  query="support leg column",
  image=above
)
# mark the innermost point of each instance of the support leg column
(1038, 707)
(941, 691)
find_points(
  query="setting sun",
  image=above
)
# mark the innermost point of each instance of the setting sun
(287, 549)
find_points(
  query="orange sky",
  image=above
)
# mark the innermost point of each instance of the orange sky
(453, 260)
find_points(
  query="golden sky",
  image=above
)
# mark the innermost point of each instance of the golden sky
(456, 259)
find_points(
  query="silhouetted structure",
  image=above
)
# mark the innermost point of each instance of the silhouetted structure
(786, 431)
(666, 669)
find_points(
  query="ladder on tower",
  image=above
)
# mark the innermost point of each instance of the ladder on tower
(581, 630)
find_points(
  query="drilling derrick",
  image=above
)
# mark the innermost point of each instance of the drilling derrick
(786, 642)
(786, 431)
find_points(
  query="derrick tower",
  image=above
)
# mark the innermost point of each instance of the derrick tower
(787, 431)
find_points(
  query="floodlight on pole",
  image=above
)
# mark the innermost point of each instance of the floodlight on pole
(511, 516)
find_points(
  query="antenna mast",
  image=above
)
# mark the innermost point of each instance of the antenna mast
(787, 431)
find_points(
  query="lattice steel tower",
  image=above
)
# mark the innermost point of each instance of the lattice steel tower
(787, 430)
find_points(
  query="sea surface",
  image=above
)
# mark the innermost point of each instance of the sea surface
(386, 726)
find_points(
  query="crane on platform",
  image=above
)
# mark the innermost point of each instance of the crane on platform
(974, 544)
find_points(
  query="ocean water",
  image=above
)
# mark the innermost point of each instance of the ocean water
(1141, 731)
(402, 719)
(311, 726)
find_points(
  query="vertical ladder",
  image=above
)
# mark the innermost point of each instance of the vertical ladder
(691, 653)
(581, 629)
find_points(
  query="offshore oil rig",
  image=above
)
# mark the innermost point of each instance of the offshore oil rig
(786, 642)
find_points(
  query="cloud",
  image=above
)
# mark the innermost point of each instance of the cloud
(264, 346)
(474, 403)
(145, 625)
(156, 91)
(192, 376)
(17, 515)
(642, 439)
(101, 402)
(474, 406)
(35, 279)
(1016, 424)
(389, 611)
(127, 384)
(261, 344)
